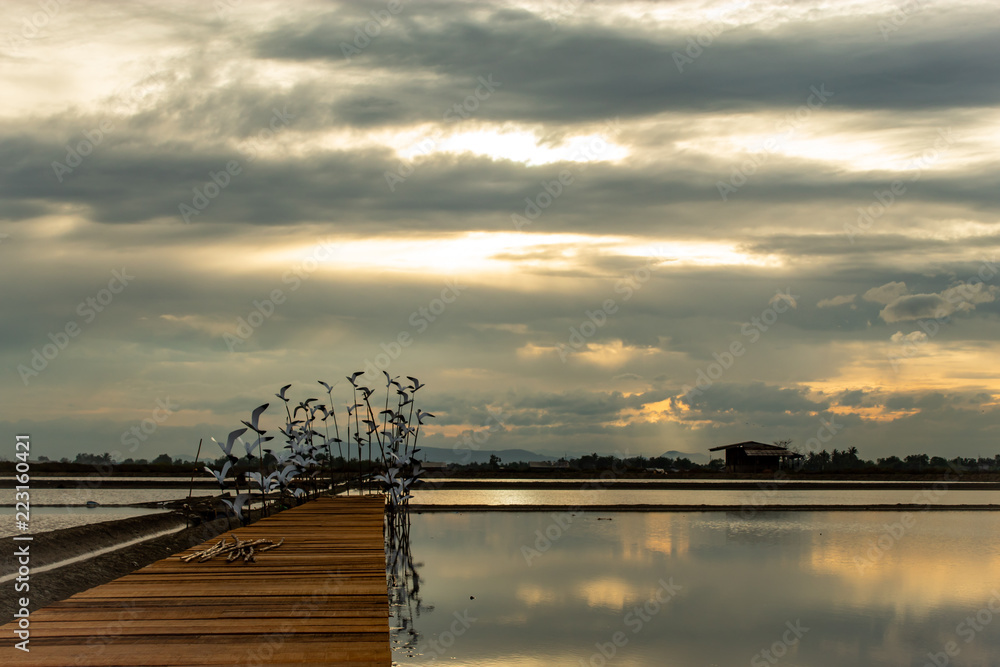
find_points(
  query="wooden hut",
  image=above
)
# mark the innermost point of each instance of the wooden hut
(753, 456)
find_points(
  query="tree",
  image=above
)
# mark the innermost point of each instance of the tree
(163, 460)
(494, 462)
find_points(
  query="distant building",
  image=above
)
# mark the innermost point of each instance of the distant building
(753, 456)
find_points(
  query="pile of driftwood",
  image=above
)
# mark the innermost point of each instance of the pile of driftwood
(246, 550)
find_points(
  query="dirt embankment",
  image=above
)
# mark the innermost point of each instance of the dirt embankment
(60, 583)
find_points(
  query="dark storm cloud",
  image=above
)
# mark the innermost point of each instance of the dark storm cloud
(750, 399)
(325, 174)
(133, 178)
(585, 72)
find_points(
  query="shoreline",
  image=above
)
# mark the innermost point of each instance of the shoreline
(750, 508)
(723, 483)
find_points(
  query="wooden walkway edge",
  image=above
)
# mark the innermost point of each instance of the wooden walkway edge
(319, 599)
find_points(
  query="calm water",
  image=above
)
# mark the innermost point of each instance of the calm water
(102, 495)
(752, 496)
(704, 588)
(44, 519)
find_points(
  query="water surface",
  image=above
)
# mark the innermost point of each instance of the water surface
(44, 519)
(809, 588)
(582, 494)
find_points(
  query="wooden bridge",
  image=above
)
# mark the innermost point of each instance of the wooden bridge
(318, 599)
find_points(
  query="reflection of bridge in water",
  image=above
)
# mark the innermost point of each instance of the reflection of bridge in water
(403, 581)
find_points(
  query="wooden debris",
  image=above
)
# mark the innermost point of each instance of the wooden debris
(238, 549)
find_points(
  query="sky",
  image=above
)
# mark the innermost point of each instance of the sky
(614, 227)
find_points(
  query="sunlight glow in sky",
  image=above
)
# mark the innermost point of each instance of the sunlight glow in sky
(357, 258)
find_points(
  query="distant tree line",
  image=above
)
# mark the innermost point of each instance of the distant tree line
(162, 464)
(837, 461)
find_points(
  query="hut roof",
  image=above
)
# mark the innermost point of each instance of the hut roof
(752, 448)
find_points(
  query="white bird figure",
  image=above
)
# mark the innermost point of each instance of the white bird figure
(286, 475)
(256, 479)
(421, 414)
(236, 507)
(271, 482)
(248, 446)
(255, 418)
(416, 382)
(354, 376)
(281, 457)
(328, 388)
(227, 448)
(220, 476)
(281, 394)
(299, 493)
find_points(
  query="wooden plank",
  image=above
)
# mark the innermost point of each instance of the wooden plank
(318, 599)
